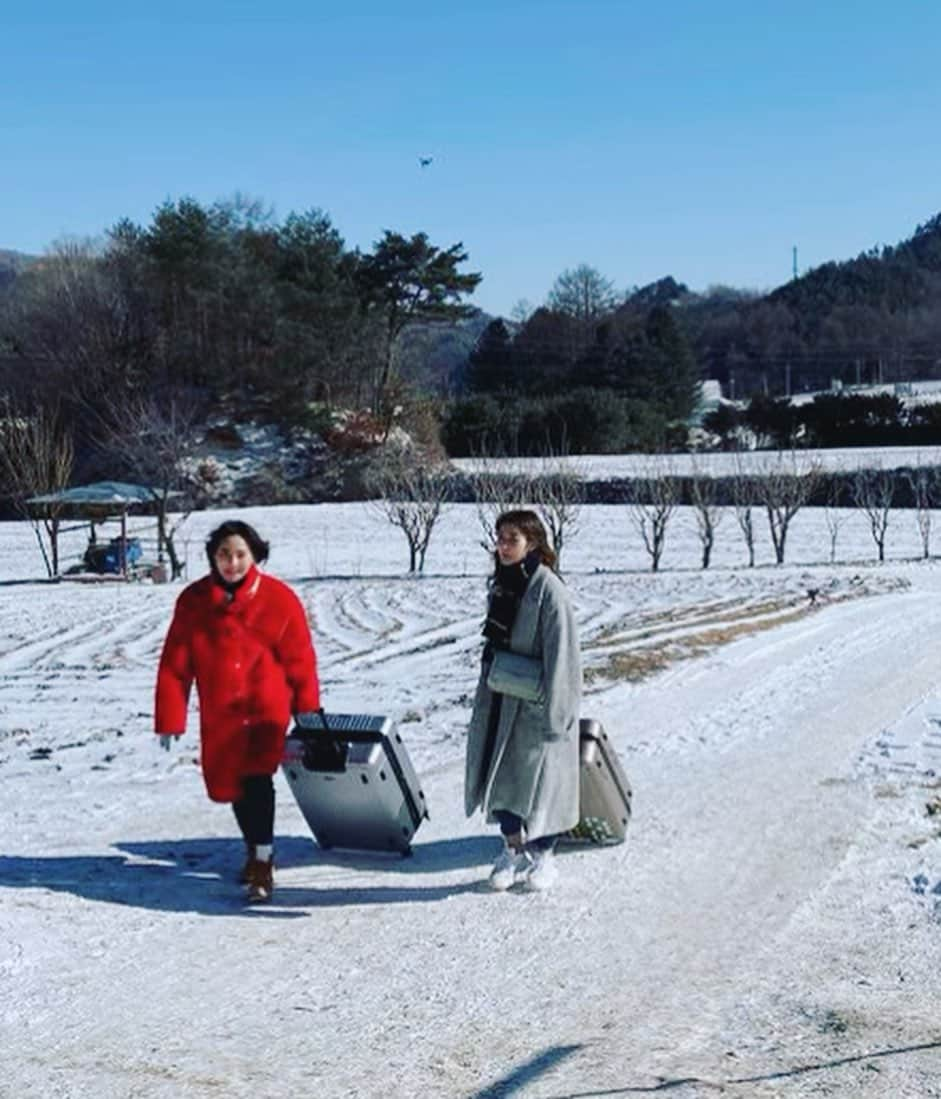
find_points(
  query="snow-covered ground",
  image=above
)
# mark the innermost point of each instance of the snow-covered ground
(771, 927)
(601, 467)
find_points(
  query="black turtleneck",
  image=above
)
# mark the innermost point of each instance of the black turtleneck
(230, 587)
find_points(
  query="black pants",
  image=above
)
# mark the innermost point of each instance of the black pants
(254, 810)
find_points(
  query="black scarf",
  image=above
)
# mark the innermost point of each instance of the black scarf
(507, 587)
(230, 587)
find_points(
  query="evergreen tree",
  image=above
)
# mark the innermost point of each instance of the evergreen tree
(409, 279)
(671, 367)
(490, 366)
(543, 352)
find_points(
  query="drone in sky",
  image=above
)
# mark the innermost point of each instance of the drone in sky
(424, 161)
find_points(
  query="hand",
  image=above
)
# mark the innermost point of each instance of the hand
(166, 740)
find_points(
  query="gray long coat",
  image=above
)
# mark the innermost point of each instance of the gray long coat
(534, 764)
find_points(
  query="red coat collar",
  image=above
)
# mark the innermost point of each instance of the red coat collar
(235, 600)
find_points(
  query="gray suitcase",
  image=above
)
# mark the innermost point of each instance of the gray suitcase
(354, 782)
(604, 791)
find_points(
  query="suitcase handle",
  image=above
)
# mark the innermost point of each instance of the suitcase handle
(303, 731)
(322, 751)
(351, 736)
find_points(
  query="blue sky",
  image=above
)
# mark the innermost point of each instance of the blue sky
(702, 140)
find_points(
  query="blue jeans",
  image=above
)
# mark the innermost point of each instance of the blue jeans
(511, 824)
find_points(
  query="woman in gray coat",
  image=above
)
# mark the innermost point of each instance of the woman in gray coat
(522, 744)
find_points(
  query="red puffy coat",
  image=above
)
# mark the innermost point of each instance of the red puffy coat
(254, 665)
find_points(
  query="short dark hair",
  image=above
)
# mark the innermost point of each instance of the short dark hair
(230, 527)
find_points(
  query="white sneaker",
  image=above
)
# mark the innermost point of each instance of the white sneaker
(541, 872)
(509, 864)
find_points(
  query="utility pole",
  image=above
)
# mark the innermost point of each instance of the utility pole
(794, 261)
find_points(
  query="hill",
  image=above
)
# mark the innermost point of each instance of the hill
(870, 320)
(11, 263)
(902, 277)
(433, 356)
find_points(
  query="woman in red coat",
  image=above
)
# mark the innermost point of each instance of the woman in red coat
(243, 637)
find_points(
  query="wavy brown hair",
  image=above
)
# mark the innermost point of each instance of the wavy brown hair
(531, 527)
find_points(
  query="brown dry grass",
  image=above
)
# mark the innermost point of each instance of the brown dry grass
(654, 623)
(725, 625)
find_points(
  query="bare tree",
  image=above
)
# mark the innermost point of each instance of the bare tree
(834, 515)
(654, 498)
(522, 310)
(744, 498)
(783, 485)
(156, 441)
(583, 293)
(874, 491)
(72, 314)
(586, 297)
(704, 497)
(558, 497)
(497, 487)
(923, 481)
(554, 489)
(558, 492)
(411, 494)
(36, 455)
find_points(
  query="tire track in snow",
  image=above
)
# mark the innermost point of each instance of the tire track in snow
(703, 895)
(635, 955)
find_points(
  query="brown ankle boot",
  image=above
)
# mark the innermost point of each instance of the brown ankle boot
(260, 880)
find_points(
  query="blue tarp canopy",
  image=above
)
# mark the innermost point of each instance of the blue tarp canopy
(118, 495)
(96, 503)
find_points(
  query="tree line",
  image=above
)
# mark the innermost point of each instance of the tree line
(588, 372)
(828, 420)
(868, 320)
(414, 497)
(223, 307)
(617, 372)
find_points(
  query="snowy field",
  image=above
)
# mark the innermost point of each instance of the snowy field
(602, 467)
(771, 927)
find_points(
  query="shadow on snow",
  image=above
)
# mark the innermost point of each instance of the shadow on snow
(723, 1084)
(199, 875)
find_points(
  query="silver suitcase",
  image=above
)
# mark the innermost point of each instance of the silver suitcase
(604, 790)
(354, 782)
